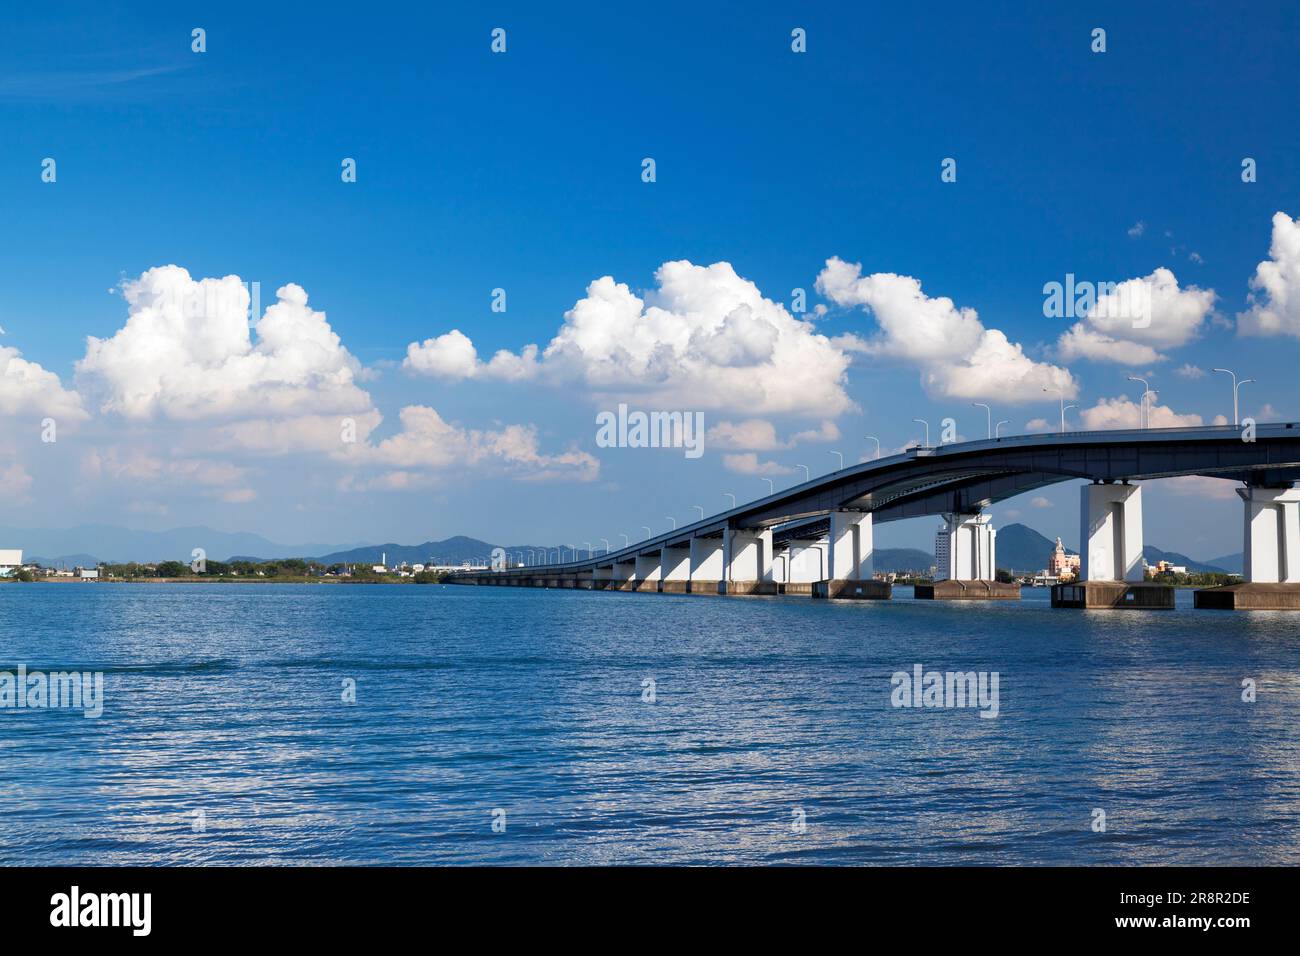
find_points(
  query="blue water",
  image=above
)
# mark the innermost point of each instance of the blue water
(228, 700)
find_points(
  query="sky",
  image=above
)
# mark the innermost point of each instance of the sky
(833, 243)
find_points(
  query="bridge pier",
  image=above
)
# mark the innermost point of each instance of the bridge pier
(1112, 573)
(1270, 555)
(623, 576)
(966, 559)
(747, 560)
(805, 565)
(675, 570)
(647, 572)
(706, 565)
(850, 546)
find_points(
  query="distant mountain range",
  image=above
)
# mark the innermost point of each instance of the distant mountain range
(1019, 548)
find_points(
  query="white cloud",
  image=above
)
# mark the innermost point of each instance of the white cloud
(1122, 413)
(1137, 229)
(760, 435)
(28, 389)
(185, 353)
(749, 464)
(957, 355)
(705, 338)
(1130, 324)
(1275, 287)
(1188, 370)
(1040, 502)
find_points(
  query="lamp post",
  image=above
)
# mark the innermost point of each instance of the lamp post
(997, 429)
(673, 520)
(627, 542)
(988, 411)
(605, 542)
(771, 485)
(1064, 409)
(728, 494)
(1146, 390)
(648, 533)
(1061, 393)
(922, 421)
(877, 441)
(700, 509)
(590, 551)
(1236, 387)
(807, 475)
(841, 458)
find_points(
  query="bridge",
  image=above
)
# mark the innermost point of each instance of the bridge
(816, 537)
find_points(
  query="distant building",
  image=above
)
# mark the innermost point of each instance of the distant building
(1168, 567)
(941, 556)
(88, 574)
(1062, 566)
(10, 561)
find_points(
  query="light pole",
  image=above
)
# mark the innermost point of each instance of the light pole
(700, 509)
(877, 441)
(673, 520)
(997, 429)
(1061, 393)
(1144, 418)
(627, 542)
(988, 411)
(841, 458)
(605, 542)
(648, 533)
(771, 485)
(728, 494)
(922, 421)
(1236, 386)
(590, 551)
(1064, 409)
(807, 475)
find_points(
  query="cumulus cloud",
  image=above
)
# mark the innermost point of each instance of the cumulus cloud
(28, 389)
(186, 353)
(1275, 287)
(705, 338)
(1122, 413)
(750, 464)
(1132, 322)
(1188, 370)
(958, 357)
(760, 435)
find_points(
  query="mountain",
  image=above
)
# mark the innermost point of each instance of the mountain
(1021, 548)
(87, 544)
(453, 550)
(902, 559)
(1153, 554)
(1231, 563)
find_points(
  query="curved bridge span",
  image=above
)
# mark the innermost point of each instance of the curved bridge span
(815, 537)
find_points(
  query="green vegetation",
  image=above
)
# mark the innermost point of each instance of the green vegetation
(282, 570)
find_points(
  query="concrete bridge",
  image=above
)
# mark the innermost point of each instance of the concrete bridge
(816, 538)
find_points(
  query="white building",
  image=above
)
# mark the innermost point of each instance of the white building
(10, 561)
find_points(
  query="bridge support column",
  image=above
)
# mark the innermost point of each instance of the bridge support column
(675, 569)
(747, 560)
(602, 578)
(647, 572)
(624, 577)
(1270, 556)
(966, 562)
(706, 565)
(805, 565)
(1112, 573)
(849, 565)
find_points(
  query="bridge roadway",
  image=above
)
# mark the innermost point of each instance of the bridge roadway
(831, 515)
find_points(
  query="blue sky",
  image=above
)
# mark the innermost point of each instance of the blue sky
(522, 171)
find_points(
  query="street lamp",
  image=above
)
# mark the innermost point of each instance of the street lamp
(771, 485)
(841, 458)
(1236, 386)
(922, 421)
(1144, 418)
(673, 520)
(1061, 393)
(590, 551)
(648, 533)
(1064, 409)
(807, 475)
(877, 441)
(627, 542)
(997, 429)
(605, 542)
(700, 509)
(728, 494)
(988, 411)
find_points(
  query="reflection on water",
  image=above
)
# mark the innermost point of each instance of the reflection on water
(229, 701)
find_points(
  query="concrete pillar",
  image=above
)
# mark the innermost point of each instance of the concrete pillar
(747, 558)
(850, 547)
(706, 565)
(965, 549)
(806, 562)
(1111, 533)
(623, 577)
(647, 572)
(675, 569)
(1271, 551)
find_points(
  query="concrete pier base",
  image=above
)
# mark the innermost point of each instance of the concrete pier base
(1113, 594)
(968, 591)
(651, 586)
(1249, 597)
(850, 590)
(705, 587)
(674, 587)
(750, 587)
